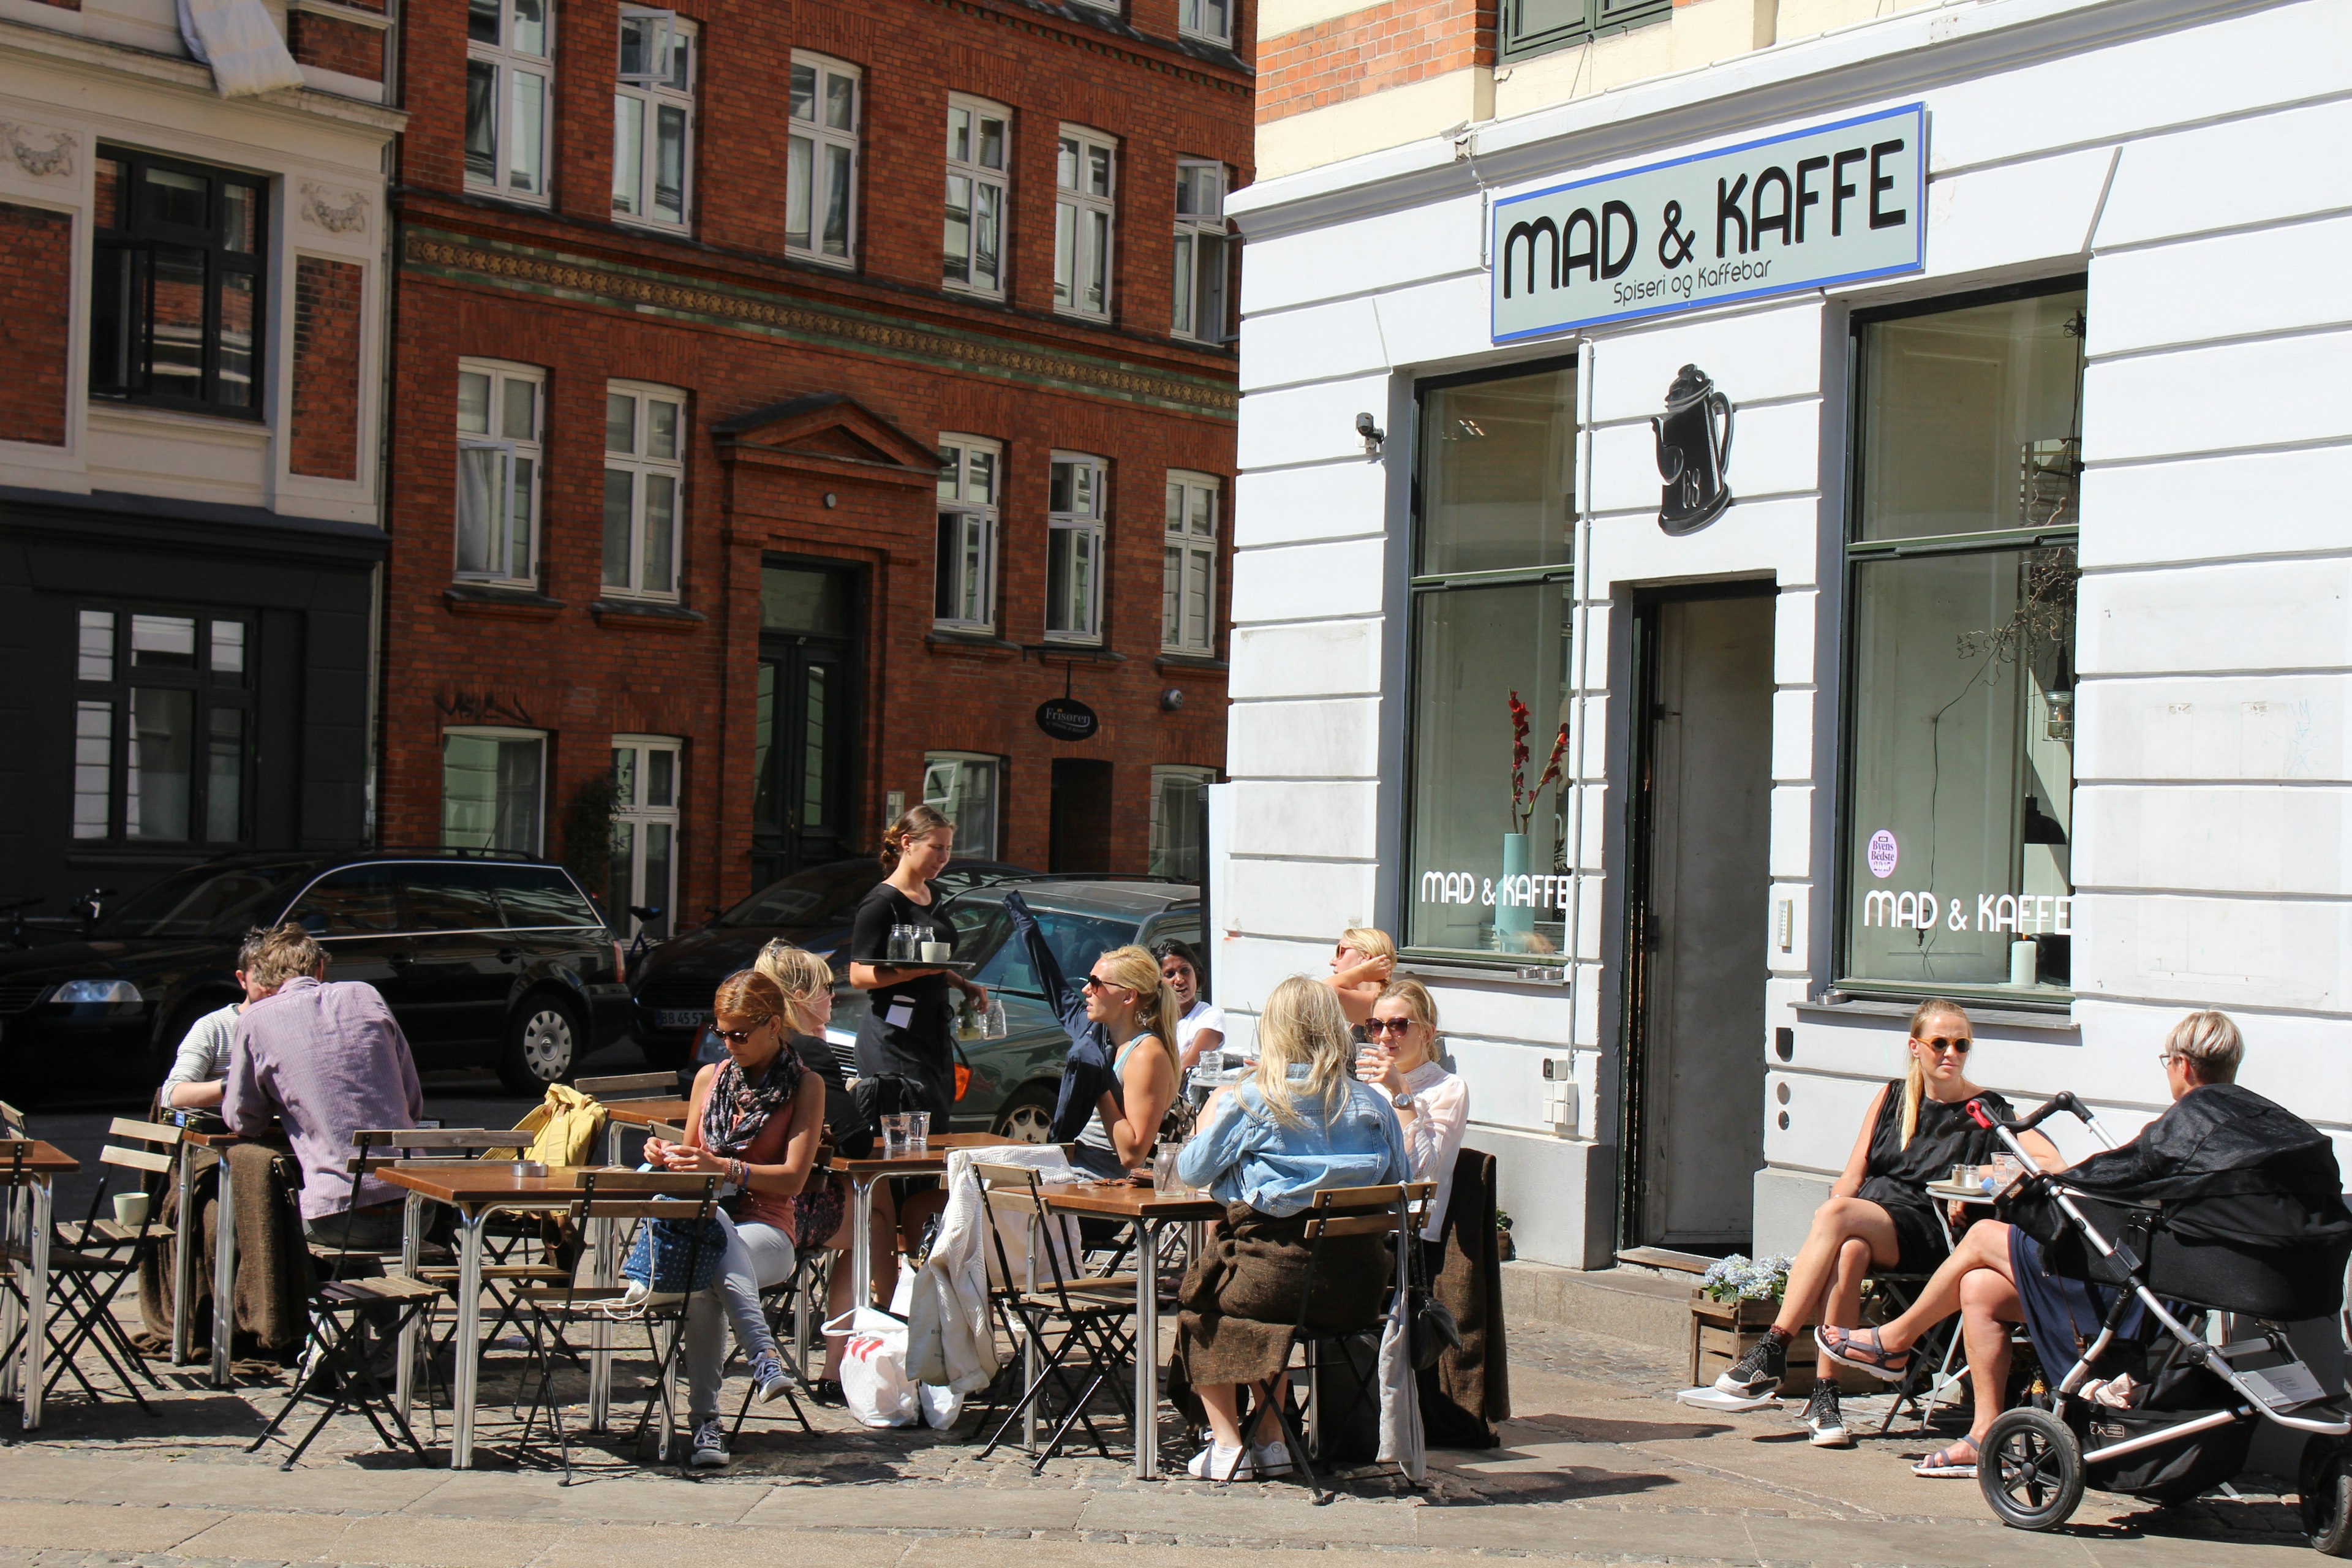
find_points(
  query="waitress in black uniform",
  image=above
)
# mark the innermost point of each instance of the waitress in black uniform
(909, 1027)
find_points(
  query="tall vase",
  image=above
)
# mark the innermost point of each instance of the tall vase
(1513, 921)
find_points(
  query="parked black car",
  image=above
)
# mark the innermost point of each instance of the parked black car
(1015, 1079)
(484, 958)
(673, 984)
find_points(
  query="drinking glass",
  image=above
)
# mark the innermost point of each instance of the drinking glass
(1164, 1180)
(918, 1131)
(894, 1135)
(994, 1026)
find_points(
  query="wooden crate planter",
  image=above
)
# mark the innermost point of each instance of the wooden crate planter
(1722, 1332)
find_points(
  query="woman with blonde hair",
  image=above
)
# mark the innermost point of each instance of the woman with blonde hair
(1298, 1125)
(1129, 999)
(1361, 964)
(1433, 1105)
(1879, 1216)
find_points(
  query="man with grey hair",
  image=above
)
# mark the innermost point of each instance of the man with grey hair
(327, 1059)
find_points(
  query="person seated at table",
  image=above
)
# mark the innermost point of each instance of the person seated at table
(821, 1213)
(1200, 1025)
(1131, 1002)
(2225, 1163)
(1300, 1123)
(326, 1059)
(1360, 966)
(1879, 1216)
(1433, 1105)
(755, 1119)
(199, 1074)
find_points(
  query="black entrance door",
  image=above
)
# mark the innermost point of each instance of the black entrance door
(804, 757)
(1079, 829)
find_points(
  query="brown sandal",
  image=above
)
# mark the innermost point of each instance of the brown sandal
(1847, 1345)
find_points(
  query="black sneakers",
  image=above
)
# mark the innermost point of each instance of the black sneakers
(1759, 1372)
(1823, 1422)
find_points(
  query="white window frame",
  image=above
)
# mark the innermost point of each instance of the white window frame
(497, 733)
(1086, 221)
(977, 174)
(1190, 316)
(514, 450)
(1161, 774)
(508, 63)
(678, 42)
(966, 575)
(632, 816)
(1093, 529)
(1190, 23)
(1189, 561)
(820, 137)
(644, 468)
(944, 782)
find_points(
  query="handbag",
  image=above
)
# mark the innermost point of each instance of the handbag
(668, 1259)
(1434, 1330)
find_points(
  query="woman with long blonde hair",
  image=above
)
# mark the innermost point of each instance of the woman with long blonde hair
(1300, 1125)
(1879, 1217)
(1131, 1002)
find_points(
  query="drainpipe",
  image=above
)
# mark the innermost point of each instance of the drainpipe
(1581, 580)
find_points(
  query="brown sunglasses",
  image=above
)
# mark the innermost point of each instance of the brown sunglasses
(1959, 1047)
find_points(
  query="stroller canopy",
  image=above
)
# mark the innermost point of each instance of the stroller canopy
(2226, 1165)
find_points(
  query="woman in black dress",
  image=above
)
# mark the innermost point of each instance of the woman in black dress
(909, 1027)
(1879, 1217)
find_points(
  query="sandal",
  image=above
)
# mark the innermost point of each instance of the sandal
(1849, 1346)
(1946, 1464)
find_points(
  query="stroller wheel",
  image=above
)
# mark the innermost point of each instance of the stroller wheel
(2327, 1487)
(2031, 1470)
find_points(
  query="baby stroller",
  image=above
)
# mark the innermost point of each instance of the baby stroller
(2194, 1412)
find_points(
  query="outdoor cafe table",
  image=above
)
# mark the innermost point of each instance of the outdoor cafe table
(864, 1174)
(30, 1168)
(184, 1247)
(475, 1189)
(1148, 1211)
(621, 1118)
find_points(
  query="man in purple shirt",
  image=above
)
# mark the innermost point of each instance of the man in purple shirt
(327, 1059)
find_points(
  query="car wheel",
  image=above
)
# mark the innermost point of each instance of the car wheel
(545, 1040)
(1027, 1117)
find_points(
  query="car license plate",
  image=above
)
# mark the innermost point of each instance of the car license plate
(681, 1018)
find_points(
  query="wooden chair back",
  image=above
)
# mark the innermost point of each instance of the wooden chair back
(446, 1142)
(646, 1194)
(1356, 1211)
(630, 1085)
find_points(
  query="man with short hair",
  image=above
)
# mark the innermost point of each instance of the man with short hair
(200, 1067)
(327, 1059)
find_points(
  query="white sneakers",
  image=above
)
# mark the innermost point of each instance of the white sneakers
(1218, 1463)
(1271, 1458)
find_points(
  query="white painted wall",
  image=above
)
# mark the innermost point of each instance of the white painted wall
(2188, 169)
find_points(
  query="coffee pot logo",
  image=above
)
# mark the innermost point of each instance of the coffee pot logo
(1694, 454)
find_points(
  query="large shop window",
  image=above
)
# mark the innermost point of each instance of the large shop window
(1485, 856)
(176, 265)
(1959, 811)
(492, 789)
(163, 729)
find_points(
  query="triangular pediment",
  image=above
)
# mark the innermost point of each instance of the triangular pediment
(826, 427)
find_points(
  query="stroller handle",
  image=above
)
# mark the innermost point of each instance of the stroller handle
(2062, 1100)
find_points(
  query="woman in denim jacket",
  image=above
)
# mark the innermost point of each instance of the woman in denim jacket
(1301, 1124)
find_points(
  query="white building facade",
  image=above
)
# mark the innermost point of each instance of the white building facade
(2018, 667)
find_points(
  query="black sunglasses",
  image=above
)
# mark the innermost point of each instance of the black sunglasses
(1388, 1027)
(1095, 983)
(740, 1036)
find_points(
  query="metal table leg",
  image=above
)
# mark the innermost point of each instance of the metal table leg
(467, 1371)
(410, 1236)
(224, 1277)
(36, 1303)
(861, 1242)
(1147, 1352)
(13, 1208)
(604, 1270)
(184, 1241)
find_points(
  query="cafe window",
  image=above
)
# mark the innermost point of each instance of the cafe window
(646, 789)
(962, 786)
(1490, 596)
(164, 728)
(1961, 772)
(492, 792)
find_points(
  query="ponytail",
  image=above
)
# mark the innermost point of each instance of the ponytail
(918, 821)
(1915, 1077)
(1156, 1010)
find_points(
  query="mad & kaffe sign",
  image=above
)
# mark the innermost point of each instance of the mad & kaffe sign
(1831, 204)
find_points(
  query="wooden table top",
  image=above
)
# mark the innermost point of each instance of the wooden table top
(274, 1133)
(931, 1160)
(44, 1159)
(476, 1184)
(1118, 1200)
(645, 1113)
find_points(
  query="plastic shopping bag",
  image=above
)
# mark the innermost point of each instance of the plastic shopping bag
(874, 1382)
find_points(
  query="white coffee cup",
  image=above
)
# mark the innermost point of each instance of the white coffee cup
(131, 1209)
(936, 952)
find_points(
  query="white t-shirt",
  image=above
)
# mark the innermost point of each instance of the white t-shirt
(1201, 1017)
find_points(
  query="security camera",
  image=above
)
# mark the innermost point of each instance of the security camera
(1372, 433)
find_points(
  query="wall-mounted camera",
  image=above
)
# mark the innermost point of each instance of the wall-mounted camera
(1371, 433)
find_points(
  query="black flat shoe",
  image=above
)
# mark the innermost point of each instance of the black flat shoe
(826, 1392)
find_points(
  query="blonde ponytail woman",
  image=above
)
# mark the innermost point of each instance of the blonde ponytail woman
(1879, 1216)
(1300, 1125)
(1137, 1011)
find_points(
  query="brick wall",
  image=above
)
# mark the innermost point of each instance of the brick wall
(35, 309)
(584, 677)
(326, 391)
(332, 43)
(1366, 51)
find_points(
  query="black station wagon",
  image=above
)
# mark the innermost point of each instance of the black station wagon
(485, 958)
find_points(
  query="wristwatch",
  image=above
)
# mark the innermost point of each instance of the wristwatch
(1402, 1101)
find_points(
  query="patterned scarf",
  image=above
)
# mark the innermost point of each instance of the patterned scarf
(740, 1109)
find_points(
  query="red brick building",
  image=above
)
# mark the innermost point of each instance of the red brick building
(788, 400)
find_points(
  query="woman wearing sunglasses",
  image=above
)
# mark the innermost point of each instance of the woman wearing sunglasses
(1879, 1217)
(1129, 1000)
(1432, 1105)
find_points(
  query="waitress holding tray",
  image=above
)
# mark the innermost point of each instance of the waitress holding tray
(909, 1027)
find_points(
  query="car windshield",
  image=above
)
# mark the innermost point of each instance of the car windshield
(1077, 940)
(806, 897)
(203, 901)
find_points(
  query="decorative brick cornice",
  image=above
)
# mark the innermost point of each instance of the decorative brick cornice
(463, 259)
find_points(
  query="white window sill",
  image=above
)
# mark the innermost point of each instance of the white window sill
(478, 188)
(819, 258)
(969, 292)
(1067, 314)
(1208, 39)
(652, 224)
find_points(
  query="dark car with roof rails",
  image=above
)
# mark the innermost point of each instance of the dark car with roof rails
(672, 984)
(485, 958)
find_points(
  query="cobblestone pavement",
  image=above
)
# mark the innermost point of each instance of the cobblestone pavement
(1600, 1466)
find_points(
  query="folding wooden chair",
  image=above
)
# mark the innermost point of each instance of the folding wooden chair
(635, 1086)
(788, 1307)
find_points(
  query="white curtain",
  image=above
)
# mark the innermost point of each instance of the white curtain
(242, 45)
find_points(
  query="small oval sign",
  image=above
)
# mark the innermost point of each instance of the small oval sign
(1882, 854)
(1067, 719)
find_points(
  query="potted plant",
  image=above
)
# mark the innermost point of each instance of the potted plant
(1515, 915)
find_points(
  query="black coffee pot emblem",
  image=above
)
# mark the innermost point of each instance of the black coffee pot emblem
(1694, 454)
